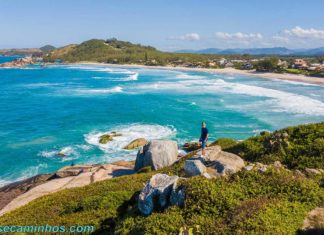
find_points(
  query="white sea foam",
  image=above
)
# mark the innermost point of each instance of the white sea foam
(37, 85)
(189, 76)
(116, 89)
(133, 77)
(4, 182)
(279, 101)
(129, 133)
(31, 171)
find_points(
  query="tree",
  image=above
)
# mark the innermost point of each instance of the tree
(268, 64)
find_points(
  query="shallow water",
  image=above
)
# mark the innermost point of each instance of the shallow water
(44, 110)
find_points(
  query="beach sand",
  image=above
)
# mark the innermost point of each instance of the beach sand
(229, 71)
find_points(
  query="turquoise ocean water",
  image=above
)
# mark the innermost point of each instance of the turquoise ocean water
(66, 108)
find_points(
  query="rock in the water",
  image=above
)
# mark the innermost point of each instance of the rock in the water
(136, 143)
(61, 154)
(194, 166)
(160, 186)
(157, 154)
(228, 163)
(104, 139)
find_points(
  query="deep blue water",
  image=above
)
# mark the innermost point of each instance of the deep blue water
(4, 59)
(67, 107)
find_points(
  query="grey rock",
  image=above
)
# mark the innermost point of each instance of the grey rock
(249, 167)
(157, 154)
(212, 153)
(194, 166)
(177, 195)
(160, 186)
(69, 171)
(228, 163)
(277, 164)
(312, 171)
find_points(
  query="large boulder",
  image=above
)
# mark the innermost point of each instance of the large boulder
(228, 163)
(160, 187)
(225, 163)
(194, 166)
(136, 143)
(211, 153)
(157, 154)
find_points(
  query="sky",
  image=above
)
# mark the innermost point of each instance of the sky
(165, 24)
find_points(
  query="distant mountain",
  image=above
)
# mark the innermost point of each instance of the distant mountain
(20, 51)
(258, 51)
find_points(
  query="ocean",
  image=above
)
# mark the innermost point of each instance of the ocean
(44, 110)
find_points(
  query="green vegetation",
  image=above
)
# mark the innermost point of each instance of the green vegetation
(268, 64)
(249, 202)
(303, 147)
(47, 48)
(121, 52)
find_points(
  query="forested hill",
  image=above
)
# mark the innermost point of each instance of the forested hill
(121, 52)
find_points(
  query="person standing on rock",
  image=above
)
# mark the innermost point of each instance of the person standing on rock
(203, 138)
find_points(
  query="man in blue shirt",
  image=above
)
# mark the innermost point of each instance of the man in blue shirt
(203, 138)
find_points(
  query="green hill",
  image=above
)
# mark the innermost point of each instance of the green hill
(121, 52)
(248, 202)
(47, 48)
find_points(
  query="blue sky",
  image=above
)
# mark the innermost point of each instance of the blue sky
(165, 24)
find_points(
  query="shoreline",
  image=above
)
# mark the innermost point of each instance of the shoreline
(229, 71)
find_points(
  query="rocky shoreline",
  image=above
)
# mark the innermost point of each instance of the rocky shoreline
(22, 192)
(21, 62)
(153, 155)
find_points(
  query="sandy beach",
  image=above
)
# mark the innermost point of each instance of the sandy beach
(229, 71)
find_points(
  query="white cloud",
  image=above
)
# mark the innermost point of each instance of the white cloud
(239, 36)
(280, 39)
(299, 32)
(186, 37)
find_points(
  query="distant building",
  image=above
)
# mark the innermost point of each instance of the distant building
(247, 66)
(299, 64)
(229, 64)
(222, 61)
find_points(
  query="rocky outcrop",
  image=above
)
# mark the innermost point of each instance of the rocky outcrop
(276, 141)
(314, 221)
(159, 189)
(20, 62)
(46, 184)
(212, 153)
(104, 139)
(157, 154)
(313, 171)
(136, 143)
(191, 146)
(71, 171)
(228, 163)
(194, 166)
(13, 190)
(218, 162)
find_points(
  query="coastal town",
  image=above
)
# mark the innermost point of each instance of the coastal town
(309, 66)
